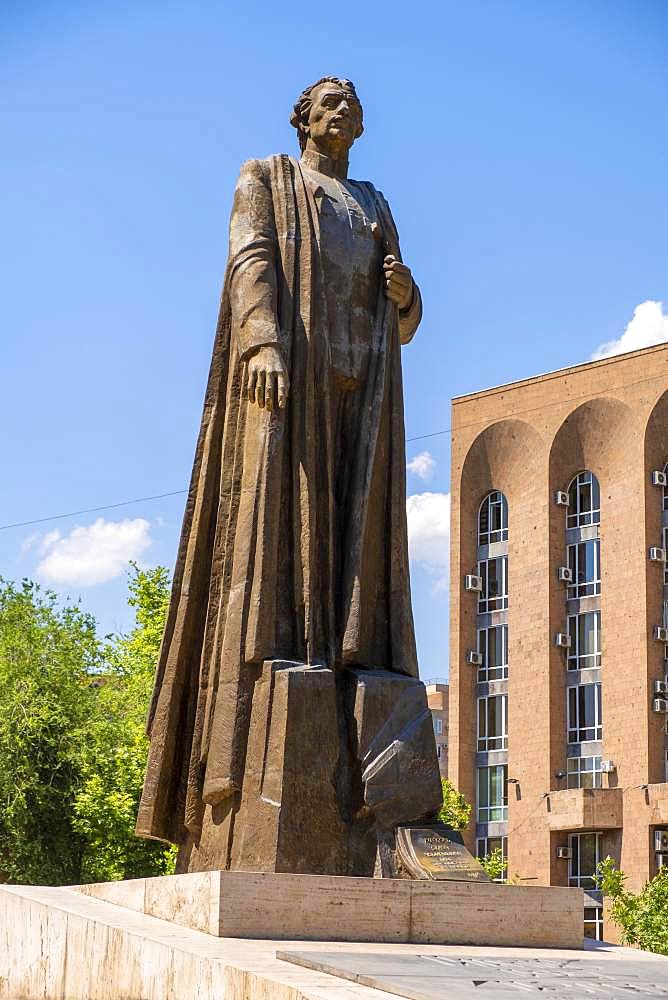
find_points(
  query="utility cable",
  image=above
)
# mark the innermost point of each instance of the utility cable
(417, 437)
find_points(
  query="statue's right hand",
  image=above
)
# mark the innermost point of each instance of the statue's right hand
(268, 382)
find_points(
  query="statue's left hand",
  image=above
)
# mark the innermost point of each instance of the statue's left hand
(398, 281)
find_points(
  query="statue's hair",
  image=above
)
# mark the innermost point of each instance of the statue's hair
(302, 109)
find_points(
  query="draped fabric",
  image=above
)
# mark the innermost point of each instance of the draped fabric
(269, 565)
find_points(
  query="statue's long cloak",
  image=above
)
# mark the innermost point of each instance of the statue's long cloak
(256, 574)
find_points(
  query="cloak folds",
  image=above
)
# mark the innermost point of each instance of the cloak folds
(266, 567)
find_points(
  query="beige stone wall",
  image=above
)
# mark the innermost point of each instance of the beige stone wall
(528, 440)
(438, 699)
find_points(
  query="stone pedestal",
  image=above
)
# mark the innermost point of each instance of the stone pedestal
(334, 760)
(330, 908)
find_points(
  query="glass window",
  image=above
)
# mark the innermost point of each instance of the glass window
(585, 647)
(493, 519)
(493, 793)
(493, 722)
(584, 501)
(586, 854)
(593, 922)
(493, 645)
(438, 726)
(485, 846)
(583, 772)
(494, 593)
(584, 713)
(584, 563)
(441, 749)
(665, 490)
(664, 544)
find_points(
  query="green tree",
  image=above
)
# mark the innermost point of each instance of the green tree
(114, 747)
(642, 917)
(455, 811)
(494, 864)
(47, 656)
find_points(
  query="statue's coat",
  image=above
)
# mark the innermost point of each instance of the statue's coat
(255, 573)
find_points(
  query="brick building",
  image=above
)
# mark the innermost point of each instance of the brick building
(559, 611)
(438, 701)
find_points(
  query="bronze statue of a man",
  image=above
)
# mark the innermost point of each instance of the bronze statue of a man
(293, 546)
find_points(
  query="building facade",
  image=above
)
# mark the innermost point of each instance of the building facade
(439, 703)
(559, 618)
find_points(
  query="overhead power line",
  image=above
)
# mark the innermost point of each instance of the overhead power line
(418, 437)
(90, 510)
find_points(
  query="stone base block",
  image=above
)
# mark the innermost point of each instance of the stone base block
(337, 908)
(333, 760)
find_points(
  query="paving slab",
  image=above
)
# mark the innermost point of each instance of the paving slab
(431, 976)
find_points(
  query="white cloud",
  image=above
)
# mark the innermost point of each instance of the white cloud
(428, 517)
(649, 326)
(422, 465)
(94, 554)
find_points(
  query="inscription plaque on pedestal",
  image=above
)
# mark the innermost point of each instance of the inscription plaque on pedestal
(434, 851)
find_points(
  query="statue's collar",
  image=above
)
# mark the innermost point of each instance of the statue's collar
(322, 164)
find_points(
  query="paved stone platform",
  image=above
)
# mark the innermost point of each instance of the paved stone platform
(58, 944)
(434, 976)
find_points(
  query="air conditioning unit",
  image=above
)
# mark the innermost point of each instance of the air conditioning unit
(656, 554)
(659, 479)
(561, 498)
(562, 639)
(661, 841)
(661, 688)
(565, 574)
(474, 658)
(608, 766)
(660, 633)
(565, 853)
(660, 705)
(472, 582)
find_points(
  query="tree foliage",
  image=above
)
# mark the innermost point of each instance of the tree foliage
(495, 864)
(455, 811)
(642, 917)
(72, 742)
(113, 761)
(47, 657)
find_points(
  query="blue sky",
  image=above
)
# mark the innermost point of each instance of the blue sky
(522, 145)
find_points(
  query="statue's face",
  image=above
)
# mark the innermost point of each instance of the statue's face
(335, 120)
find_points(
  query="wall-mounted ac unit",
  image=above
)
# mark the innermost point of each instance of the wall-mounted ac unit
(565, 574)
(660, 705)
(660, 688)
(608, 766)
(659, 479)
(472, 582)
(565, 853)
(656, 554)
(562, 639)
(661, 841)
(561, 498)
(660, 633)
(474, 658)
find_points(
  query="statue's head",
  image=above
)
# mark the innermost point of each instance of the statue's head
(330, 114)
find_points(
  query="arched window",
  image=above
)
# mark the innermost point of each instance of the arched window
(493, 519)
(584, 501)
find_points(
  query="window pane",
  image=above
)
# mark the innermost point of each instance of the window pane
(484, 520)
(483, 797)
(495, 651)
(588, 856)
